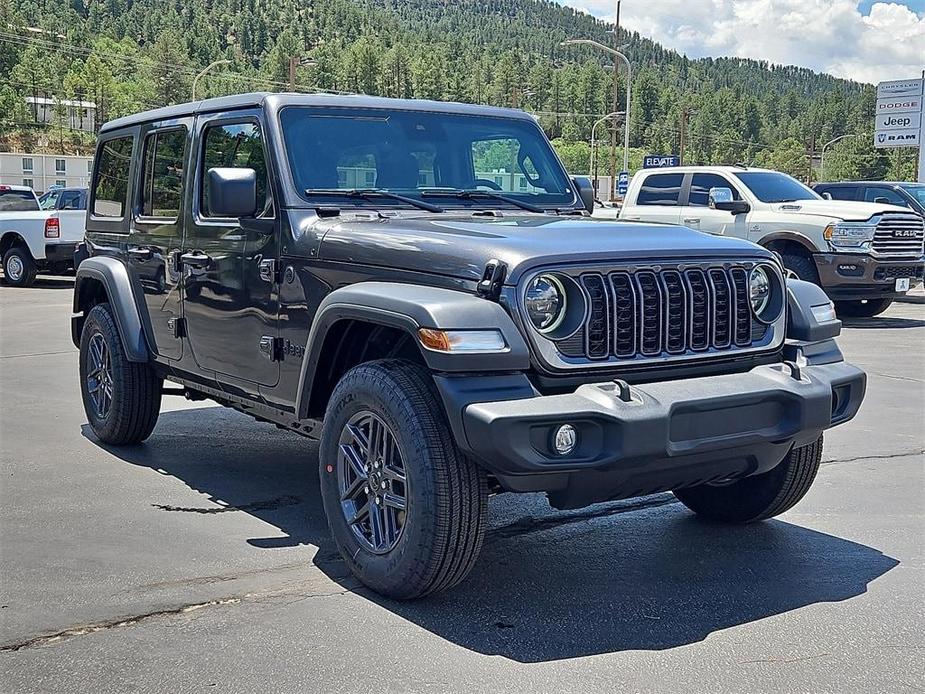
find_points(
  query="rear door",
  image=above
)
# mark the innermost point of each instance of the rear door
(696, 213)
(231, 292)
(157, 230)
(658, 199)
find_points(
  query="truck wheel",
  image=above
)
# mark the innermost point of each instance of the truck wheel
(761, 496)
(19, 268)
(122, 399)
(800, 266)
(405, 507)
(863, 308)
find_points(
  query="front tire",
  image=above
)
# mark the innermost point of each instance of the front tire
(866, 308)
(800, 267)
(19, 268)
(122, 399)
(388, 461)
(758, 497)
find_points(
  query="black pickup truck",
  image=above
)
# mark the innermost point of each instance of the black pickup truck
(419, 285)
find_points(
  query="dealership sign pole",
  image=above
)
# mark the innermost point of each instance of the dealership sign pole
(899, 120)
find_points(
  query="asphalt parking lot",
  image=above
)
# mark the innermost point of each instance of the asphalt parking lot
(200, 560)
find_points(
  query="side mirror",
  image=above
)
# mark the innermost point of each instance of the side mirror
(827, 195)
(585, 191)
(882, 201)
(232, 192)
(721, 199)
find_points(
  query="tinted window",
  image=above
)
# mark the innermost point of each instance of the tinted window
(892, 197)
(409, 152)
(111, 184)
(162, 174)
(70, 200)
(701, 183)
(840, 192)
(236, 146)
(772, 186)
(17, 200)
(660, 189)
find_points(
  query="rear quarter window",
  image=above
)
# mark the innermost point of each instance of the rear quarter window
(661, 189)
(110, 185)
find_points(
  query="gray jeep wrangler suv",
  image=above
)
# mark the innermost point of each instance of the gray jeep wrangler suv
(419, 286)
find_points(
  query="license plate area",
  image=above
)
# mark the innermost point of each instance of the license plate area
(902, 284)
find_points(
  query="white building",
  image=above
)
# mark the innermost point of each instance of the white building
(43, 170)
(78, 115)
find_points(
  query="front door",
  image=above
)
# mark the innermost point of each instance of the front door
(697, 213)
(231, 300)
(156, 228)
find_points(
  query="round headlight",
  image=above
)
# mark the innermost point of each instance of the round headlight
(759, 289)
(545, 302)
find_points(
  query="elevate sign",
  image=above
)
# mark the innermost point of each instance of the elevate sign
(657, 161)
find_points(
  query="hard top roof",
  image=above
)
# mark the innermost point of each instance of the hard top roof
(277, 101)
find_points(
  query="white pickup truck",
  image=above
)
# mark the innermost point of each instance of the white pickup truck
(862, 254)
(34, 240)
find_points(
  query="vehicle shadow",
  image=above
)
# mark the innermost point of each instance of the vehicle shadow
(882, 323)
(549, 585)
(45, 282)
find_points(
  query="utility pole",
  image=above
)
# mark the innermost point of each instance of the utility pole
(616, 95)
(686, 113)
(294, 62)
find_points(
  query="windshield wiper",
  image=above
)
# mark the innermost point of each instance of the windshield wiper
(370, 193)
(473, 193)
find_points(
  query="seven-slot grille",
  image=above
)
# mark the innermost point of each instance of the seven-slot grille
(665, 312)
(899, 233)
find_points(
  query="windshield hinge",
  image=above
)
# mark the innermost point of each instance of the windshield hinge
(492, 280)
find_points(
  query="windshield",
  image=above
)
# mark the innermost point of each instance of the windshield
(916, 191)
(773, 186)
(17, 200)
(420, 155)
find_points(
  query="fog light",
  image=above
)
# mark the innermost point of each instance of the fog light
(565, 439)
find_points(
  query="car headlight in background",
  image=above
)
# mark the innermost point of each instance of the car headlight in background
(759, 289)
(850, 236)
(545, 301)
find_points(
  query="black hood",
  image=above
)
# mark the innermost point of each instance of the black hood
(459, 245)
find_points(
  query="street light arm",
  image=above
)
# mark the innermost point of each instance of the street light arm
(208, 67)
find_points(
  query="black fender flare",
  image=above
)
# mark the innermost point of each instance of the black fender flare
(410, 307)
(792, 236)
(803, 323)
(124, 298)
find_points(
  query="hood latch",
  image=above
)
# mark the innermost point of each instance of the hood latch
(492, 280)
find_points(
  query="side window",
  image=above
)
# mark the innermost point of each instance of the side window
(70, 200)
(840, 192)
(110, 186)
(661, 189)
(892, 197)
(162, 174)
(236, 146)
(701, 183)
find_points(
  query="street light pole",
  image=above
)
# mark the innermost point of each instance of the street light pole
(616, 96)
(205, 70)
(822, 155)
(592, 172)
(629, 86)
(294, 62)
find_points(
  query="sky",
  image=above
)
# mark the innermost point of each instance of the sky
(863, 40)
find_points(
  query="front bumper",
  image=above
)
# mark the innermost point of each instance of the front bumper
(848, 276)
(665, 435)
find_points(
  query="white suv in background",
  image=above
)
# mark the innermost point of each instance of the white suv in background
(862, 254)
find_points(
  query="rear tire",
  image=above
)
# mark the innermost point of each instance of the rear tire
(19, 268)
(440, 531)
(862, 308)
(122, 399)
(758, 497)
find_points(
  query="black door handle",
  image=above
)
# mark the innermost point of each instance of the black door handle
(140, 253)
(197, 260)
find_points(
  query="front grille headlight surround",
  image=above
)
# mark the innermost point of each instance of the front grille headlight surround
(853, 237)
(554, 304)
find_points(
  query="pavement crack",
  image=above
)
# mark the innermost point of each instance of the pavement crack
(885, 456)
(784, 661)
(112, 624)
(266, 505)
(532, 524)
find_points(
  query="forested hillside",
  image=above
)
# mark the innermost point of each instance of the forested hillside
(129, 55)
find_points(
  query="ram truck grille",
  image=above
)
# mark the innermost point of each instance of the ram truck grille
(899, 234)
(664, 312)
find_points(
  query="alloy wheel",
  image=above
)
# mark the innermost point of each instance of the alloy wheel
(372, 483)
(99, 375)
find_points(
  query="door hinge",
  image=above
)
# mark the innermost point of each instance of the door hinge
(269, 270)
(177, 326)
(271, 347)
